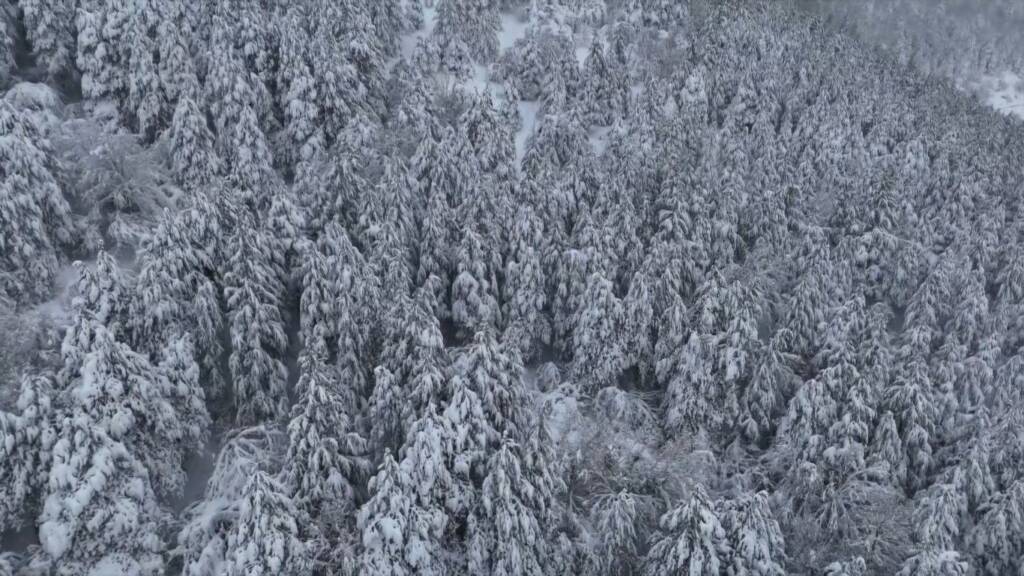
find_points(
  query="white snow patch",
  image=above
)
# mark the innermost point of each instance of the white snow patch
(1003, 92)
(58, 309)
(528, 116)
(513, 27)
(408, 42)
(599, 139)
(1006, 93)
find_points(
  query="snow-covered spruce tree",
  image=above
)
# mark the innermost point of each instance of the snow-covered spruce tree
(50, 29)
(102, 49)
(207, 523)
(490, 134)
(122, 434)
(6, 50)
(691, 540)
(603, 89)
(934, 563)
(428, 481)
(175, 35)
(399, 535)
(997, 540)
(413, 352)
(475, 289)
(772, 377)
(26, 438)
(35, 217)
(507, 529)
(619, 523)
(912, 400)
(254, 290)
(156, 411)
(298, 97)
(523, 296)
(689, 392)
(758, 548)
(265, 538)
(384, 408)
(384, 523)
(100, 512)
(495, 374)
(598, 355)
(194, 160)
(147, 107)
(100, 301)
(325, 462)
(468, 27)
(468, 446)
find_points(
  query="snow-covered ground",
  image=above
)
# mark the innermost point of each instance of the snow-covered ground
(1005, 93)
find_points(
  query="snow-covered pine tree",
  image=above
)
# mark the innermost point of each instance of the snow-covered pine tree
(100, 512)
(997, 540)
(495, 374)
(265, 537)
(619, 520)
(103, 49)
(50, 29)
(475, 290)
(325, 461)
(523, 296)
(598, 354)
(207, 523)
(470, 25)
(397, 540)
(934, 563)
(507, 528)
(691, 540)
(758, 548)
(603, 88)
(26, 438)
(35, 217)
(194, 160)
(253, 290)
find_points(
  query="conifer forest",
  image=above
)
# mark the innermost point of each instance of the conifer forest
(511, 287)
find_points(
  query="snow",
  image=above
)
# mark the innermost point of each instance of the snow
(58, 309)
(599, 139)
(528, 115)
(513, 27)
(408, 42)
(1006, 93)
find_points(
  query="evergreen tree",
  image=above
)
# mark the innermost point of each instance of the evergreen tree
(506, 529)
(34, 215)
(50, 28)
(619, 523)
(27, 438)
(691, 540)
(265, 537)
(324, 462)
(598, 357)
(496, 376)
(195, 162)
(253, 291)
(756, 539)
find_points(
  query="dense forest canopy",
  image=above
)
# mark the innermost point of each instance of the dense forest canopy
(608, 287)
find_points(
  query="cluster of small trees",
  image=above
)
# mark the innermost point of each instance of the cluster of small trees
(746, 299)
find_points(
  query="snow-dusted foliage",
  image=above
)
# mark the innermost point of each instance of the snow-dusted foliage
(35, 217)
(512, 287)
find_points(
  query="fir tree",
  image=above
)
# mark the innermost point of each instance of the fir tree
(265, 537)
(506, 530)
(34, 215)
(691, 540)
(253, 292)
